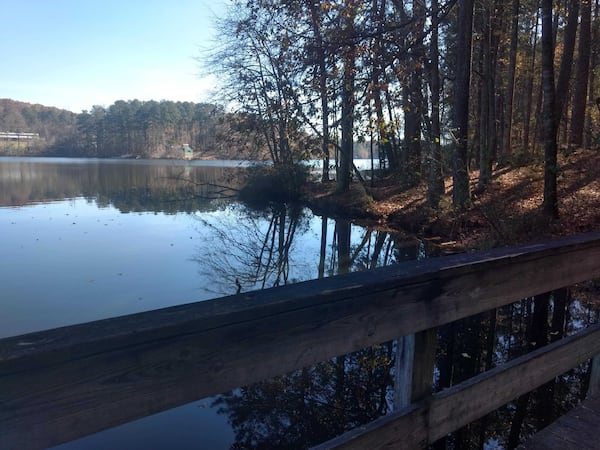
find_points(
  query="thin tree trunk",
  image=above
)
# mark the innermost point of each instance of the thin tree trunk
(316, 21)
(378, 77)
(581, 75)
(489, 152)
(486, 108)
(417, 99)
(566, 63)
(550, 204)
(460, 175)
(510, 83)
(347, 147)
(588, 137)
(435, 187)
(529, 90)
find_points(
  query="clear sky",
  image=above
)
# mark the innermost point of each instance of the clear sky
(74, 54)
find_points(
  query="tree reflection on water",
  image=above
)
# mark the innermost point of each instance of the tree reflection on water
(252, 250)
(312, 405)
(473, 345)
(265, 249)
(273, 247)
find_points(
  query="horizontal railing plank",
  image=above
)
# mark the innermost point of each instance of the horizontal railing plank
(423, 423)
(60, 384)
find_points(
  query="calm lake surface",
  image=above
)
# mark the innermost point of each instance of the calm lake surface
(84, 240)
(89, 239)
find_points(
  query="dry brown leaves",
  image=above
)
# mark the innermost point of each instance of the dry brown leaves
(507, 212)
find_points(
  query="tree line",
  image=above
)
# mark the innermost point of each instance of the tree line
(441, 87)
(149, 129)
(159, 129)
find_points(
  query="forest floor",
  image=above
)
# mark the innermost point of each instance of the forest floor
(506, 213)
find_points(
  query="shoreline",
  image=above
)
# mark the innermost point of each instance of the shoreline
(508, 212)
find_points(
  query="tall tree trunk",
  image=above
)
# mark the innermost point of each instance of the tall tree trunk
(581, 75)
(347, 147)
(417, 100)
(413, 120)
(595, 36)
(404, 78)
(529, 90)
(538, 128)
(550, 204)
(460, 175)
(378, 78)
(566, 63)
(485, 108)
(496, 13)
(510, 83)
(394, 155)
(435, 187)
(488, 95)
(322, 63)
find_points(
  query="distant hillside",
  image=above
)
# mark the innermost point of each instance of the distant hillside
(151, 129)
(56, 127)
(147, 129)
(141, 129)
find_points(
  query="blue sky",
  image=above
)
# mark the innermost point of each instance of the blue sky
(74, 54)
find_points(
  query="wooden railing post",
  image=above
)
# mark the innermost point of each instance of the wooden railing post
(405, 354)
(415, 362)
(425, 347)
(594, 387)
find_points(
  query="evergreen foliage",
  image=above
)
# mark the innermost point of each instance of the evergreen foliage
(146, 129)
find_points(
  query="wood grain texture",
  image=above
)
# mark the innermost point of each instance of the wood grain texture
(577, 430)
(424, 364)
(403, 371)
(61, 384)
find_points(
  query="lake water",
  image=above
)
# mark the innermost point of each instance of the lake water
(89, 239)
(84, 240)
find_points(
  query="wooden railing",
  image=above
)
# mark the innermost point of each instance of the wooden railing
(61, 384)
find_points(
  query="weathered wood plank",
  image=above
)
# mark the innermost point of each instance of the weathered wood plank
(424, 364)
(403, 369)
(594, 387)
(578, 429)
(414, 366)
(64, 383)
(577, 258)
(459, 405)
